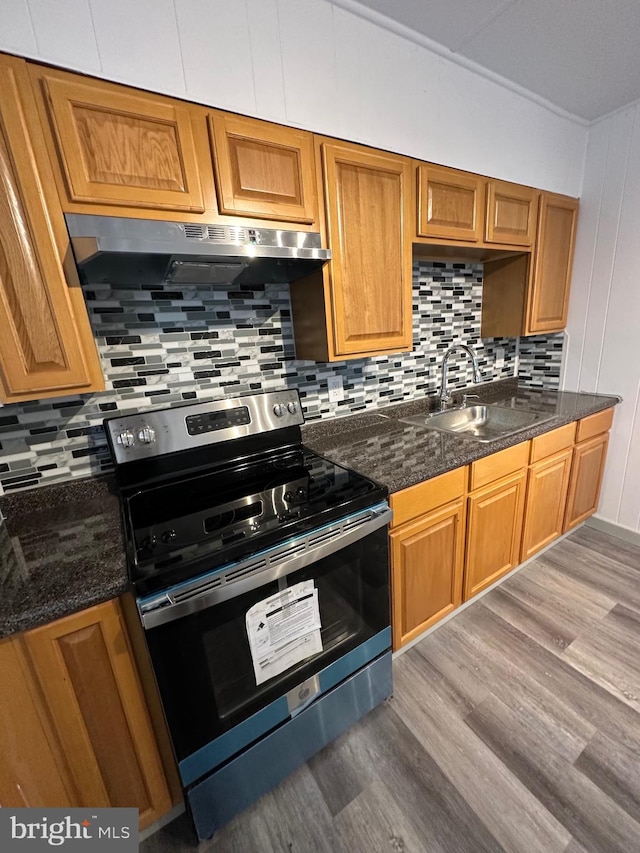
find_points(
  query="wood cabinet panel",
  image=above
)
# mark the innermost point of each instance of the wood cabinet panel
(85, 668)
(423, 497)
(594, 425)
(30, 771)
(552, 264)
(368, 210)
(263, 169)
(552, 442)
(587, 469)
(450, 204)
(494, 528)
(427, 559)
(46, 344)
(547, 485)
(512, 212)
(118, 146)
(496, 465)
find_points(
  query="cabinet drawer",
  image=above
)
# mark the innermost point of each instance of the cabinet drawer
(423, 497)
(552, 442)
(594, 425)
(498, 465)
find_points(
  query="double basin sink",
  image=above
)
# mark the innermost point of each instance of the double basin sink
(483, 422)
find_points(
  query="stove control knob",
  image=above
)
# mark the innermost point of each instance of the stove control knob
(301, 493)
(126, 439)
(278, 410)
(292, 408)
(288, 496)
(147, 435)
(150, 542)
(169, 536)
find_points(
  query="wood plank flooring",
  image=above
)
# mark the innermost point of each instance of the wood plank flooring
(514, 727)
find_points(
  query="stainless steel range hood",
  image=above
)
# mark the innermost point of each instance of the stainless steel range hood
(142, 251)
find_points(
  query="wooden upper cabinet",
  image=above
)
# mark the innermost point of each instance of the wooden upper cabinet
(368, 210)
(93, 697)
(450, 204)
(263, 170)
(548, 297)
(46, 343)
(511, 214)
(119, 146)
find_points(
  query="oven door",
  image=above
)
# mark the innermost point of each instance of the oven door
(324, 599)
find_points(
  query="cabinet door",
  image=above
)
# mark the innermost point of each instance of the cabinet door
(368, 212)
(587, 469)
(511, 214)
(31, 774)
(263, 169)
(494, 527)
(85, 669)
(450, 204)
(120, 146)
(547, 485)
(426, 570)
(46, 343)
(551, 275)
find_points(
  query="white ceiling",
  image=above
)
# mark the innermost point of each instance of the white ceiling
(581, 55)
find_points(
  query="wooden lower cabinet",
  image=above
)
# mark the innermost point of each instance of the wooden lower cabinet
(427, 561)
(494, 527)
(84, 719)
(548, 481)
(587, 469)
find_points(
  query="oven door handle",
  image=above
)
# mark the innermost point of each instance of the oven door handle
(261, 569)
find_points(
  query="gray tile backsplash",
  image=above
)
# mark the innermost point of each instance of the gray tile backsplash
(169, 346)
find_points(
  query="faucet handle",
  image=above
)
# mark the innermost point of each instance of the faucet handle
(466, 397)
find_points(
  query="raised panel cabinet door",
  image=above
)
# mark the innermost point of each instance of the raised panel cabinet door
(86, 671)
(119, 146)
(547, 485)
(587, 469)
(263, 169)
(46, 343)
(552, 264)
(426, 571)
(368, 210)
(512, 213)
(494, 528)
(450, 204)
(30, 771)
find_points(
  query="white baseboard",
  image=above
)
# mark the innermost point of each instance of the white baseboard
(617, 530)
(477, 597)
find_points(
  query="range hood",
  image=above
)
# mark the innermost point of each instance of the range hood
(142, 251)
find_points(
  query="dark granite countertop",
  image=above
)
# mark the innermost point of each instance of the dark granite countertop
(399, 455)
(61, 550)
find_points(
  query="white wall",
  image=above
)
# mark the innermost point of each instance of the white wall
(310, 64)
(603, 351)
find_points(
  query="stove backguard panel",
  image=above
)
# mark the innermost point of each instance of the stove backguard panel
(164, 346)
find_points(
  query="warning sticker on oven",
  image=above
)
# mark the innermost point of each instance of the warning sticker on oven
(284, 629)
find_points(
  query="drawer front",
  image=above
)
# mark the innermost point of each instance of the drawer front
(594, 425)
(423, 497)
(553, 442)
(498, 465)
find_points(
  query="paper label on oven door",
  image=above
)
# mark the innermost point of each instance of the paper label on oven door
(284, 629)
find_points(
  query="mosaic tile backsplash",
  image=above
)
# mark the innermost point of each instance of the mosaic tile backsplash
(168, 346)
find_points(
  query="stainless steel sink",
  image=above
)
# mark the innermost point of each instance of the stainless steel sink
(481, 423)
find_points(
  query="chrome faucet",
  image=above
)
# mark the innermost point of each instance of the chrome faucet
(445, 398)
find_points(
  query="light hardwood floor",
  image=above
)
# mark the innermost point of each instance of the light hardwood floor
(514, 727)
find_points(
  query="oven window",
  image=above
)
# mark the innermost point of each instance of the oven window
(203, 661)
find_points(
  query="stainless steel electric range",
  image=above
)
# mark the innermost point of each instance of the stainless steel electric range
(261, 573)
